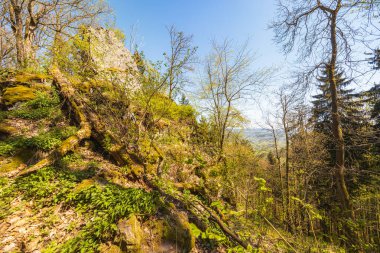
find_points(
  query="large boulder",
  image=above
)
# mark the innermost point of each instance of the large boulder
(111, 59)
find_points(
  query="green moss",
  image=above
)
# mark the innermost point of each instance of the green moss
(26, 78)
(45, 104)
(107, 248)
(14, 162)
(137, 170)
(18, 93)
(6, 129)
(84, 185)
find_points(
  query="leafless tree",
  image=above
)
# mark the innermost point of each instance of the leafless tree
(324, 36)
(273, 126)
(30, 20)
(286, 104)
(229, 78)
(179, 60)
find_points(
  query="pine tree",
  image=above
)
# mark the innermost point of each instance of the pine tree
(374, 94)
(351, 112)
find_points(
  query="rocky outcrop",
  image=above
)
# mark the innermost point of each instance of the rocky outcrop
(111, 59)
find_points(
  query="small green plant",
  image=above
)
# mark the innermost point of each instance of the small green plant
(240, 249)
(51, 139)
(46, 187)
(11, 145)
(107, 205)
(212, 237)
(70, 159)
(45, 141)
(44, 105)
(49, 186)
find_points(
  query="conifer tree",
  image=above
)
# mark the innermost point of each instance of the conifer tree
(351, 107)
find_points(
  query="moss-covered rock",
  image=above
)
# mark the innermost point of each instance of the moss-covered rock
(8, 164)
(7, 129)
(109, 248)
(84, 185)
(131, 233)
(18, 93)
(137, 171)
(177, 229)
(31, 77)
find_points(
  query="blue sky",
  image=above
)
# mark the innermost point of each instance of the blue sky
(205, 20)
(213, 19)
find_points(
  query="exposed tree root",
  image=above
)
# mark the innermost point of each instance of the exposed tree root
(68, 93)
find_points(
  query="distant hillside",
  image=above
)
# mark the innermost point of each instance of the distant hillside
(262, 138)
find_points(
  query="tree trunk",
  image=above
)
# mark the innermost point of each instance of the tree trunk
(278, 158)
(342, 192)
(284, 102)
(15, 12)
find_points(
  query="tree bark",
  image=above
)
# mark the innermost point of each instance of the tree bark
(342, 192)
(15, 12)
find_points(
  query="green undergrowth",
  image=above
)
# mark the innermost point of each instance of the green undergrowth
(45, 104)
(44, 141)
(102, 203)
(213, 236)
(106, 204)
(46, 187)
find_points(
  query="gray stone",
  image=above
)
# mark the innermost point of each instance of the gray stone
(112, 60)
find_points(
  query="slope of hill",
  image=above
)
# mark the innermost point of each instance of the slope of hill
(262, 138)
